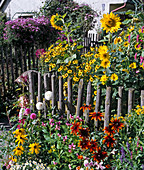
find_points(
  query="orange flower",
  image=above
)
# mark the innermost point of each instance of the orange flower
(116, 124)
(99, 155)
(107, 166)
(78, 168)
(83, 132)
(75, 128)
(80, 157)
(84, 144)
(109, 140)
(86, 107)
(96, 116)
(93, 145)
(109, 130)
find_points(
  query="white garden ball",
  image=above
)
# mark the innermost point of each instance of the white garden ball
(48, 95)
(39, 106)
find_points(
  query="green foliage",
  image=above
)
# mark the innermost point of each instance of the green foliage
(78, 15)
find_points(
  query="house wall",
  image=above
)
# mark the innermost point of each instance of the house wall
(13, 6)
(102, 7)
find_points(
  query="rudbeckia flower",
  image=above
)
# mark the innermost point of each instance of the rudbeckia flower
(34, 147)
(99, 155)
(18, 150)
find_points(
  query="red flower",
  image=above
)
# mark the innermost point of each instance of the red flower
(109, 140)
(86, 107)
(109, 130)
(83, 132)
(107, 166)
(99, 155)
(80, 157)
(93, 145)
(84, 144)
(75, 128)
(96, 116)
(116, 124)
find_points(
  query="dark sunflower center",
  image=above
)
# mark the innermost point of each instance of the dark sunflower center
(92, 145)
(99, 156)
(20, 131)
(21, 138)
(34, 147)
(18, 149)
(111, 22)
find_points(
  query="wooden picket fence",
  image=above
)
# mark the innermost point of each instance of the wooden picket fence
(51, 82)
(16, 60)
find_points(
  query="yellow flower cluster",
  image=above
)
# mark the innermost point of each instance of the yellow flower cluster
(21, 138)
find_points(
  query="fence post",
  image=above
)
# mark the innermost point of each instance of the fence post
(142, 98)
(97, 106)
(88, 100)
(61, 97)
(47, 87)
(107, 107)
(53, 81)
(39, 87)
(119, 106)
(69, 105)
(80, 95)
(130, 99)
(31, 89)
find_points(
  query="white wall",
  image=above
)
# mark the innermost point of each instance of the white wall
(22, 6)
(102, 7)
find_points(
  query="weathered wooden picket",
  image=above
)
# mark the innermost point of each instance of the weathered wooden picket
(16, 60)
(50, 82)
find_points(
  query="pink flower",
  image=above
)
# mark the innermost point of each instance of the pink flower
(59, 135)
(71, 117)
(50, 122)
(69, 150)
(69, 166)
(27, 111)
(43, 124)
(33, 116)
(137, 38)
(68, 124)
(57, 127)
(18, 127)
(64, 138)
(141, 148)
(129, 37)
(141, 59)
(72, 146)
(54, 162)
(137, 71)
(135, 56)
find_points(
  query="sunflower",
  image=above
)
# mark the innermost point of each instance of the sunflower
(116, 124)
(132, 65)
(102, 49)
(84, 144)
(19, 132)
(53, 22)
(96, 116)
(137, 46)
(108, 130)
(126, 44)
(117, 40)
(114, 77)
(99, 155)
(105, 63)
(34, 147)
(86, 107)
(93, 145)
(109, 140)
(18, 150)
(110, 22)
(83, 132)
(104, 56)
(75, 128)
(103, 79)
(21, 139)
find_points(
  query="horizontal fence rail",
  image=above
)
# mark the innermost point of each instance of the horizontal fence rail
(55, 84)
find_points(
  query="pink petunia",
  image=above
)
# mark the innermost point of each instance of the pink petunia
(33, 116)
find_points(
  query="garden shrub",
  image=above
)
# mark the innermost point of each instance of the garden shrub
(3, 19)
(80, 15)
(30, 31)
